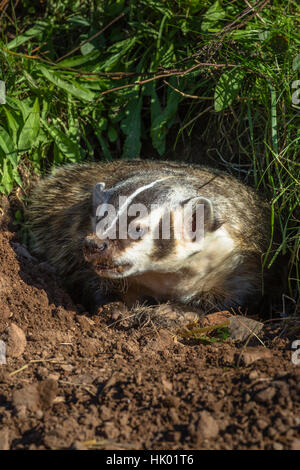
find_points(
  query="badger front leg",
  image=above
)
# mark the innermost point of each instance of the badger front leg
(92, 291)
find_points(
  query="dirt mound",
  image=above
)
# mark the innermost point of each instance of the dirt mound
(76, 381)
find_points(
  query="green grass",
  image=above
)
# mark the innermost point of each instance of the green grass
(109, 79)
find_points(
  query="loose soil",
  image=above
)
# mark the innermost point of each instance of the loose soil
(76, 381)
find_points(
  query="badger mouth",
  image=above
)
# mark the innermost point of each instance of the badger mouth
(107, 270)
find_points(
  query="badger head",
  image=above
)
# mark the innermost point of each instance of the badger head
(150, 222)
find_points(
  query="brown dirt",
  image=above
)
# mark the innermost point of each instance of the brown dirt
(78, 381)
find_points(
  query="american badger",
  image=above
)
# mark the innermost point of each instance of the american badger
(139, 230)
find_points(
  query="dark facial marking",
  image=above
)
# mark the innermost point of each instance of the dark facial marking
(164, 247)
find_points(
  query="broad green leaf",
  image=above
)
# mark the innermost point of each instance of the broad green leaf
(30, 130)
(131, 126)
(121, 48)
(227, 88)
(79, 20)
(37, 29)
(212, 17)
(75, 90)
(8, 147)
(64, 144)
(80, 60)
(14, 122)
(23, 106)
(7, 178)
(87, 48)
(16, 176)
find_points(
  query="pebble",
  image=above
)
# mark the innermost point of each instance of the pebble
(277, 446)
(35, 397)
(253, 375)
(16, 341)
(255, 354)
(265, 395)
(27, 397)
(295, 444)
(261, 424)
(241, 327)
(4, 439)
(207, 427)
(77, 445)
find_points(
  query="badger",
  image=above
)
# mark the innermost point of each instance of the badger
(153, 231)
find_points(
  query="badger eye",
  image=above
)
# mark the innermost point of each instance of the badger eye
(136, 232)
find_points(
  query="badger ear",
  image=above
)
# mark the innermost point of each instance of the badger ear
(206, 209)
(200, 216)
(99, 194)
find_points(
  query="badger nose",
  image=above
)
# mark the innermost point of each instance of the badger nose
(95, 246)
(102, 246)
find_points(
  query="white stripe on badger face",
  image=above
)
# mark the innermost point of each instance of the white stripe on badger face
(130, 199)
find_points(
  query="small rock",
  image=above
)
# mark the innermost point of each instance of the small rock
(54, 376)
(35, 397)
(27, 397)
(110, 430)
(77, 445)
(5, 312)
(85, 322)
(253, 375)
(163, 341)
(277, 446)
(21, 412)
(272, 432)
(265, 395)
(295, 444)
(207, 427)
(67, 367)
(241, 328)
(167, 386)
(105, 413)
(83, 379)
(47, 393)
(4, 439)
(16, 341)
(261, 424)
(139, 378)
(59, 400)
(255, 354)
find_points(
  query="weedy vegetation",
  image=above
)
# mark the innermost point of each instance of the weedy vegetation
(199, 80)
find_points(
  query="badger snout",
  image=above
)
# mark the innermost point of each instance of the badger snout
(102, 255)
(95, 249)
(93, 246)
